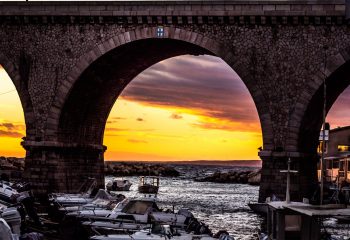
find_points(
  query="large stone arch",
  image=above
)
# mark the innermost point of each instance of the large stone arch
(337, 77)
(195, 42)
(19, 75)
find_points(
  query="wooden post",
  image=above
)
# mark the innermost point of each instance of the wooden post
(281, 225)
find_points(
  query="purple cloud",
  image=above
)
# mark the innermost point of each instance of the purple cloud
(339, 114)
(203, 83)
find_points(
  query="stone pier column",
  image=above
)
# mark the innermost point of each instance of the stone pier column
(60, 167)
(303, 183)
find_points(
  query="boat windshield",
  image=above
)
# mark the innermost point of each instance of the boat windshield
(138, 207)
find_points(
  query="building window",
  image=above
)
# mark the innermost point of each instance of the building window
(343, 148)
(319, 148)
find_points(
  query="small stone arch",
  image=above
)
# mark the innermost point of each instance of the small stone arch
(212, 45)
(15, 74)
(307, 116)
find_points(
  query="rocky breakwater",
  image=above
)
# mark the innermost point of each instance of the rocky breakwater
(140, 169)
(11, 168)
(250, 177)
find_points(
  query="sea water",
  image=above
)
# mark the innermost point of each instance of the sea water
(221, 206)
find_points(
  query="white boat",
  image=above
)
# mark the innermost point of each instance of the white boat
(138, 214)
(7, 193)
(121, 212)
(97, 204)
(162, 232)
(12, 218)
(97, 213)
(73, 200)
(127, 222)
(118, 185)
(5, 231)
(61, 205)
(85, 190)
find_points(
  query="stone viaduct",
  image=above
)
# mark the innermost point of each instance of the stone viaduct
(70, 61)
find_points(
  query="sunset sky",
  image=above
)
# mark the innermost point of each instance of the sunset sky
(183, 108)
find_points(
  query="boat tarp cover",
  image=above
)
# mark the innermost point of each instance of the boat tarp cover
(102, 194)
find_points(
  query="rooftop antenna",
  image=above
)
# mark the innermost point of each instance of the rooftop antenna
(288, 171)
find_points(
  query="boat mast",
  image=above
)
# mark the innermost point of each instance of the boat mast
(288, 171)
(288, 183)
(323, 127)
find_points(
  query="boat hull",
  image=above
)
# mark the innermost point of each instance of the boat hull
(259, 208)
(148, 189)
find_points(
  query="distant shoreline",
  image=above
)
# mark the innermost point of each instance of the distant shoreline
(234, 163)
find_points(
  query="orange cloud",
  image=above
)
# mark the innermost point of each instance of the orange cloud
(4, 133)
(8, 129)
(176, 116)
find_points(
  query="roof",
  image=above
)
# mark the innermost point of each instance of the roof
(340, 129)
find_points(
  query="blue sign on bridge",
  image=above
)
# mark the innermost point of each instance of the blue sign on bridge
(160, 31)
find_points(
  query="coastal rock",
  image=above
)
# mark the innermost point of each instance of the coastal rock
(251, 177)
(254, 177)
(139, 169)
(11, 168)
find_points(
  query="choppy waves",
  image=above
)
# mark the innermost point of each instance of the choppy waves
(221, 206)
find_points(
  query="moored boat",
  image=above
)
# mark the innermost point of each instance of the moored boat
(7, 193)
(164, 232)
(136, 215)
(259, 208)
(149, 185)
(85, 190)
(118, 185)
(62, 204)
(12, 217)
